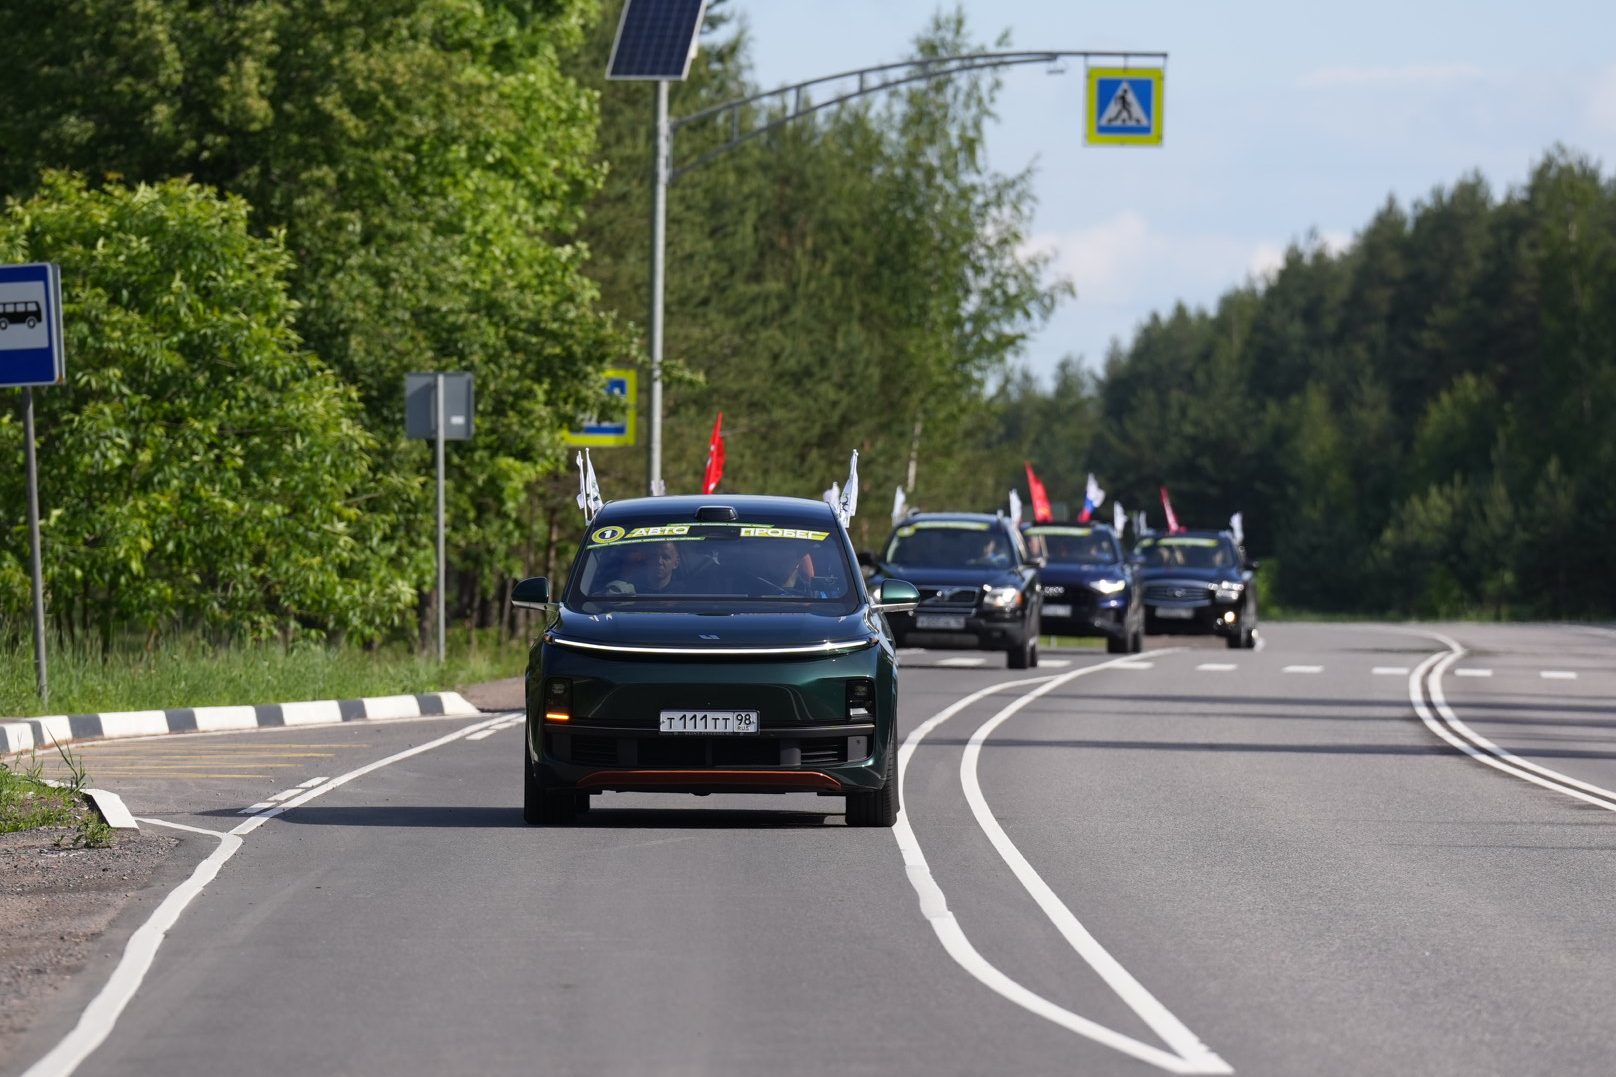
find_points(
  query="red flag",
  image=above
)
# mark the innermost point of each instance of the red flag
(1041, 513)
(1167, 507)
(715, 457)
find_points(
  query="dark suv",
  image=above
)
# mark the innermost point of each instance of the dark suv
(1197, 583)
(978, 584)
(1088, 585)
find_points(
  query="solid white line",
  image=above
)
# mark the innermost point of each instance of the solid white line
(962, 662)
(1477, 747)
(1217, 667)
(1390, 671)
(1472, 671)
(483, 735)
(1303, 669)
(1557, 675)
(934, 907)
(95, 1024)
(1173, 1032)
(311, 783)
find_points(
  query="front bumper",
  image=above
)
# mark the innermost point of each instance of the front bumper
(1091, 614)
(1206, 619)
(985, 629)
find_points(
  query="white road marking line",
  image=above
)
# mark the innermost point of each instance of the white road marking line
(1478, 747)
(934, 907)
(1303, 669)
(1472, 671)
(285, 794)
(962, 662)
(1557, 675)
(485, 733)
(256, 808)
(1217, 667)
(311, 783)
(1261, 643)
(95, 1024)
(1055, 663)
(1390, 671)
(1134, 663)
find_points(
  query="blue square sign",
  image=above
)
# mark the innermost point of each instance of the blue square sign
(31, 325)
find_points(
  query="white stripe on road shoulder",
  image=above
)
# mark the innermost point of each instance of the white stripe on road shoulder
(1303, 669)
(1191, 1057)
(1557, 675)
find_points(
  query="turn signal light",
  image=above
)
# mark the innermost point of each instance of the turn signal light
(860, 699)
(558, 699)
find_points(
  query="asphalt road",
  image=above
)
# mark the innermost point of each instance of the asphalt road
(1197, 860)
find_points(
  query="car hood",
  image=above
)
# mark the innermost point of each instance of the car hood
(964, 576)
(664, 630)
(1209, 575)
(1077, 574)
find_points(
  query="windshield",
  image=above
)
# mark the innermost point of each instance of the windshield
(1077, 545)
(1186, 552)
(661, 563)
(944, 543)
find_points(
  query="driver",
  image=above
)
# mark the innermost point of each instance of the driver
(647, 568)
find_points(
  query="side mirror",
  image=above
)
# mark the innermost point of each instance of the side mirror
(896, 596)
(532, 593)
(1252, 564)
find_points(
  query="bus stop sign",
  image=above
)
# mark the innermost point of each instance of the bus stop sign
(31, 325)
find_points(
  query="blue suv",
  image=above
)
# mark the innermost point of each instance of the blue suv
(1088, 585)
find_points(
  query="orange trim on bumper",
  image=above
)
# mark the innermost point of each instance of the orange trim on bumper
(807, 780)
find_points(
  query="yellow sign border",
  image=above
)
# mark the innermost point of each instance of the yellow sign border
(608, 441)
(1091, 120)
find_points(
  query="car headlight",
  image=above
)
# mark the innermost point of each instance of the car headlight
(1108, 587)
(1002, 598)
(1229, 592)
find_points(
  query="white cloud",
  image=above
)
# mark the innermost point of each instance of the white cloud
(1124, 261)
(1428, 76)
(1602, 103)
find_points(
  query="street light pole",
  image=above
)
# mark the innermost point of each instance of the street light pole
(661, 153)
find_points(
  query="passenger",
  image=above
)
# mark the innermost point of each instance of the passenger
(647, 568)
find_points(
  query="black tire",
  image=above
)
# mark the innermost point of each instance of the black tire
(1136, 642)
(879, 808)
(1020, 656)
(1032, 660)
(541, 806)
(581, 802)
(1116, 645)
(1237, 641)
(1251, 638)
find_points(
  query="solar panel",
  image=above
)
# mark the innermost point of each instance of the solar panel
(656, 39)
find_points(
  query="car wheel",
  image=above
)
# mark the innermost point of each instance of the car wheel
(1020, 656)
(1136, 642)
(1237, 641)
(1116, 645)
(1251, 638)
(541, 805)
(879, 808)
(1032, 659)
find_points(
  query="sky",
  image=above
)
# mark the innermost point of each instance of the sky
(1282, 121)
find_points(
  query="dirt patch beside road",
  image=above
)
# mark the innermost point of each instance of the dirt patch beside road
(55, 902)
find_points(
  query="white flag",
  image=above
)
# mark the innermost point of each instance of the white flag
(900, 506)
(833, 496)
(588, 489)
(1119, 519)
(1237, 525)
(1139, 525)
(847, 505)
(1015, 509)
(1093, 497)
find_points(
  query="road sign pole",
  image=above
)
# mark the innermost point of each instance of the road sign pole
(443, 574)
(661, 153)
(33, 542)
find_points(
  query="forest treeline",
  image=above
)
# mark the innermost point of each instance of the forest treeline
(268, 212)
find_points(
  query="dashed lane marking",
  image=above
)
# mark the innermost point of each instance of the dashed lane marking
(962, 662)
(1135, 664)
(1217, 667)
(1390, 671)
(1472, 671)
(1557, 675)
(1303, 669)
(311, 783)
(1055, 663)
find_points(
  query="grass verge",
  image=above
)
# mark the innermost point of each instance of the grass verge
(190, 673)
(28, 802)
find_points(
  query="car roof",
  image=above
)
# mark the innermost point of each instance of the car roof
(960, 517)
(1189, 532)
(684, 506)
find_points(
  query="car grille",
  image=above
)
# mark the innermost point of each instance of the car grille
(1178, 592)
(951, 598)
(600, 751)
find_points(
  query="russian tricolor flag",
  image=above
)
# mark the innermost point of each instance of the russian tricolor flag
(1093, 498)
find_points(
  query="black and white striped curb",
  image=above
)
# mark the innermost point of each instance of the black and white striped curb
(24, 734)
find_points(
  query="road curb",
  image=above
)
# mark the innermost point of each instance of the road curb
(25, 734)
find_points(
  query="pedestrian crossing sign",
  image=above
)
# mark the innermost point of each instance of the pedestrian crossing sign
(602, 433)
(1125, 106)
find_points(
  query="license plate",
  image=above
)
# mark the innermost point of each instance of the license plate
(940, 620)
(709, 721)
(1057, 609)
(1172, 614)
